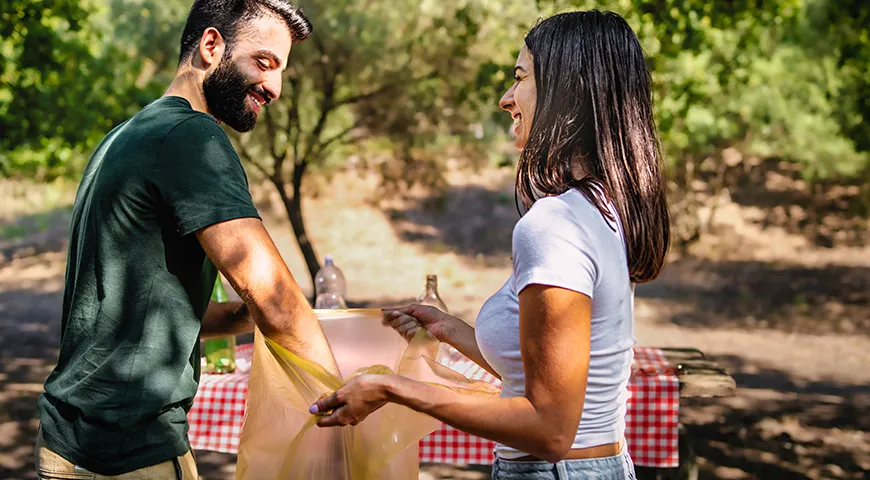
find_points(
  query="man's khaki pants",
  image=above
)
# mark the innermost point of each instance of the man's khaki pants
(51, 466)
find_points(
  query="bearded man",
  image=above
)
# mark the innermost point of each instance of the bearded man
(163, 205)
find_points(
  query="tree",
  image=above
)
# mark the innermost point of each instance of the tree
(147, 36)
(842, 28)
(737, 80)
(411, 80)
(394, 71)
(56, 86)
(416, 82)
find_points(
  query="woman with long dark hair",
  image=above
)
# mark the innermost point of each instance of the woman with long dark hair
(559, 332)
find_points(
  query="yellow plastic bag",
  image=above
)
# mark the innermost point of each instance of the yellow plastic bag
(279, 437)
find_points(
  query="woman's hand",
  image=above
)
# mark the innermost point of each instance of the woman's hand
(408, 320)
(443, 326)
(353, 402)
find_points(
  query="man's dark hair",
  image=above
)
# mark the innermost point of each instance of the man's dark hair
(230, 16)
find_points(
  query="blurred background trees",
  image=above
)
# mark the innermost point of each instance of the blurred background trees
(741, 87)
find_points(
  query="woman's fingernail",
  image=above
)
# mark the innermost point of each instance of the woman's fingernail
(314, 409)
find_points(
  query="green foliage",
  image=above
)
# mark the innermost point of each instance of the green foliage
(385, 82)
(844, 26)
(71, 70)
(755, 75)
(409, 73)
(409, 84)
(784, 78)
(147, 34)
(46, 59)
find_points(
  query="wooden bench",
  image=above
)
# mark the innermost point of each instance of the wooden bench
(699, 377)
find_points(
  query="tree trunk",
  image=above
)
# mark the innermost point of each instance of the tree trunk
(686, 227)
(293, 206)
(294, 213)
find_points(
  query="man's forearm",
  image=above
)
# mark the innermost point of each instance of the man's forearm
(226, 319)
(289, 320)
(234, 318)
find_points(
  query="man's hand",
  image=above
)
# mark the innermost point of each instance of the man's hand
(244, 252)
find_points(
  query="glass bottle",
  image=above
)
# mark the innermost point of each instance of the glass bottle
(446, 353)
(430, 295)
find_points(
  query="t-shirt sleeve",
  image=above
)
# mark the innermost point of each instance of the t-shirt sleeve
(200, 177)
(550, 248)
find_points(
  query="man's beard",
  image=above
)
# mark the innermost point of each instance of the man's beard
(226, 93)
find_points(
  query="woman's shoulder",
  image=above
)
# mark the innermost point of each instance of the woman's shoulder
(555, 244)
(567, 210)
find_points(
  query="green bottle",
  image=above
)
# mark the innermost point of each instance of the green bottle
(220, 353)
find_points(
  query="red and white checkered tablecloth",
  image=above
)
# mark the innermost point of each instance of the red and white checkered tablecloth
(653, 417)
(219, 407)
(651, 421)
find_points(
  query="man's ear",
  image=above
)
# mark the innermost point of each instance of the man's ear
(211, 47)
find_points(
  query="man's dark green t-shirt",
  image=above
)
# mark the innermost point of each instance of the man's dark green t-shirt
(137, 286)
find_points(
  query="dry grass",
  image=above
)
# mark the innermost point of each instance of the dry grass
(372, 249)
(28, 208)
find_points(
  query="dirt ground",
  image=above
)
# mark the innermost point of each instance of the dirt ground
(788, 317)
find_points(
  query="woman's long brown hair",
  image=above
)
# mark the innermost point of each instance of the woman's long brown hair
(594, 108)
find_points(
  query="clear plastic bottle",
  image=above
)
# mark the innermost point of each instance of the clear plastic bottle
(329, 286)
(220, 353)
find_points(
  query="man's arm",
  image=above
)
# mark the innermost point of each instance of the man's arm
(226, 318)
(244, 252)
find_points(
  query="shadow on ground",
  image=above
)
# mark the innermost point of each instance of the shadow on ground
(34, 233)
(752, 294)
(827, 213)
(777, 427)
(489, 216)
(27, 354)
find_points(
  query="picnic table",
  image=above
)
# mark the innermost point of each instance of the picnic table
(659, 448)
(699, 377)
